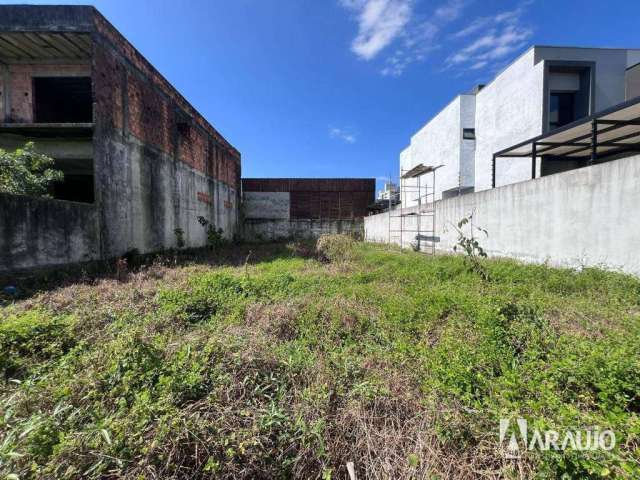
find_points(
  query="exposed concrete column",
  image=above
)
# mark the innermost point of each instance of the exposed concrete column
(6, 93)
(99, 152)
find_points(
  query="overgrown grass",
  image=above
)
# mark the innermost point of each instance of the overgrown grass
(290, 367)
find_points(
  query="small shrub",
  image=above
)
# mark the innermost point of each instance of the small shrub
(335, 248)
(215, 238)
(471, 247)
(179, 233)
(30, 338)
(27, 172)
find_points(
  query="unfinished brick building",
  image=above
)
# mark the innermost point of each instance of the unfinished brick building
(139, 157)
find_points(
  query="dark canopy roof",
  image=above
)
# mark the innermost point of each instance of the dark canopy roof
(616, 130)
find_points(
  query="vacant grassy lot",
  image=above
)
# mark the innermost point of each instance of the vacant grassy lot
(290, 367)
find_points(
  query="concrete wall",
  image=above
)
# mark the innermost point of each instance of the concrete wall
(266, 205)
(256, 230)
(282, 208)
(159, 164)
(36, 232)
(267, 217)
(580, 217)
(440, 142)
(147, 194)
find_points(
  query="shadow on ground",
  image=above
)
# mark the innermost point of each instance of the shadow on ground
(25, 284)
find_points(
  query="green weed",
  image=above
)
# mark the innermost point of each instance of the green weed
(288, 367)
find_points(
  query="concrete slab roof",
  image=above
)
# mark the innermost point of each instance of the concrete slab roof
(47, 18)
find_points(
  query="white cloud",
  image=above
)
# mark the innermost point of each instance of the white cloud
(479, 64)
(417, 43)
(380, 22)
(342, 134)
(495, 38)
(407, 37)
(450, 10)
(419, 39)
(473, 27)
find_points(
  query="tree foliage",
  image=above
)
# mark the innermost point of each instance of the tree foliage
(27, 172)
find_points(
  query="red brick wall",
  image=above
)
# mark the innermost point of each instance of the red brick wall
(193, 149)
(108, 87)
(156, 114)
(148, 116)
(329, 198)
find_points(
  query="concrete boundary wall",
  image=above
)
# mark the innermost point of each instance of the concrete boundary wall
(41, 232)
(274, 230)
(266, 205)
(584, 217)
(267, 218)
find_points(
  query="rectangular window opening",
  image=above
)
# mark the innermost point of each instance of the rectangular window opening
(570, 94)
(78, 184)
(561, 109)
(62, 100)
(469, 133)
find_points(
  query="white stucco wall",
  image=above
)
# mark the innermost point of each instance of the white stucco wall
(508, 111)
(440, 142)
(467, 147)
(582, 217)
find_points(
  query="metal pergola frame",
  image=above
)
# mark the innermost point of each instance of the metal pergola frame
(594, 150)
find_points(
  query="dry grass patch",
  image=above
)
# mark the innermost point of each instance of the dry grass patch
(280, 365)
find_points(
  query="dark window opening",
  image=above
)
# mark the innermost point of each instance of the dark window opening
(184, 129)
(62, 100)
(551, 165)
(561, 109)
(469, 133)
(570, 93)
(77, 185)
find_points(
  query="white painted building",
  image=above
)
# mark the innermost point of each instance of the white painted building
(391, 191)
(448, 139)
(543, 89)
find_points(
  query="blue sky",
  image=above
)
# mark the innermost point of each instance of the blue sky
(336, 88)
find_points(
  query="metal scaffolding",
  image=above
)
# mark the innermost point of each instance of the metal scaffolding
(416, 223)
